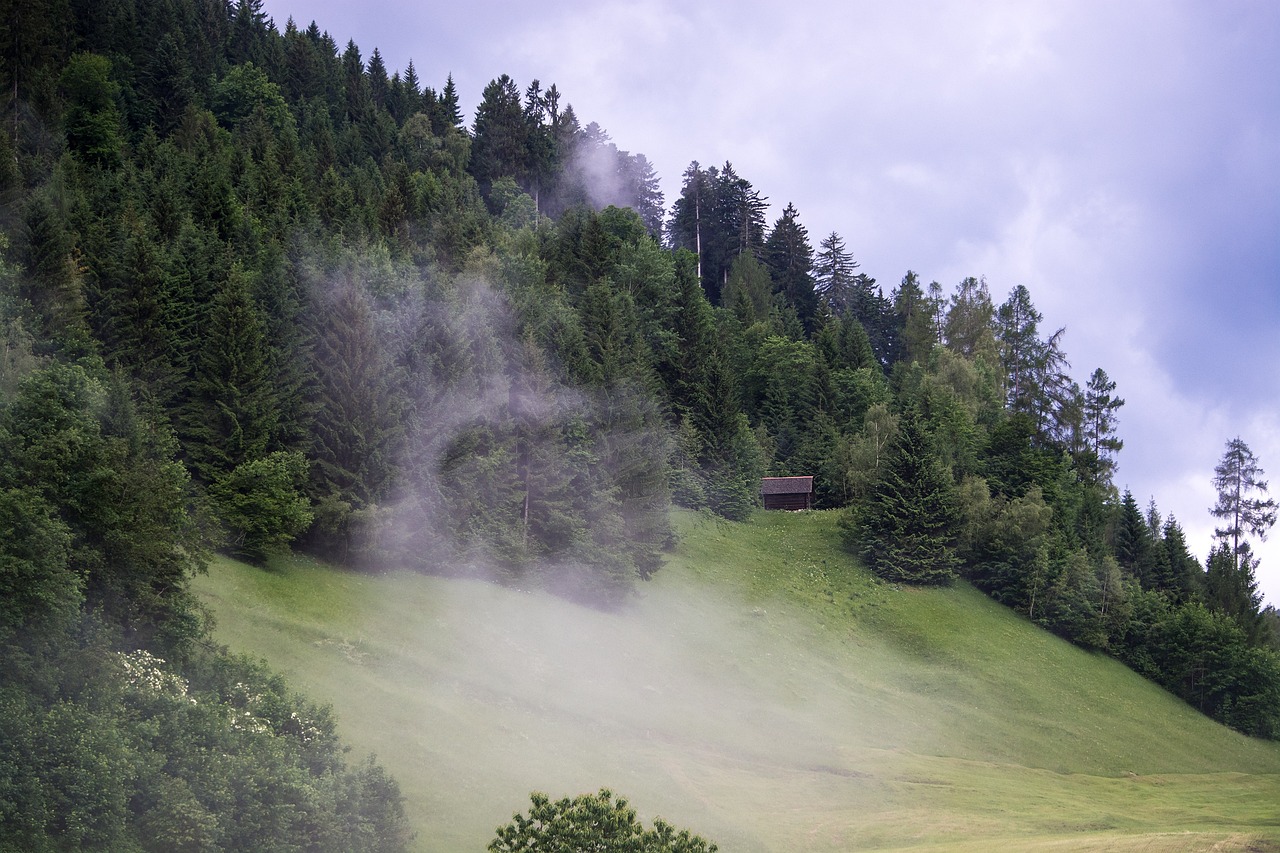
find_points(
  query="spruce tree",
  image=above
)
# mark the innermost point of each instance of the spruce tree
(449, 103)
(917, 316)
(905, 532)
(833, 270)
(231, 416)
(357, 423)
(1133, 541)
(500, 136)
(789, 257)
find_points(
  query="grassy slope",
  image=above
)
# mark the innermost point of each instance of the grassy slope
(763, 691)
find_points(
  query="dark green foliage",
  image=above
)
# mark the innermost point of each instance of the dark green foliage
(1181, 577)
(500, 135)
(718, 217)
(104, 745)
(906, 531)
(261, 505)
(50, 284)
(1099, 420)
(969, 328)
(114, 487)
(591, 822)
(1014, 462)
(1229, 588)
(1205, 658)
(789, 257)
(918, 316)
(1133, 541)
(231, 417)
(150, 760)
(92, 119)
(38, 590)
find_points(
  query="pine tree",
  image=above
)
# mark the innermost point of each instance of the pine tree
(53, 284)
(747, 291)
(1099, 422)
(379, 83)
(690, 213)
(1185, 578)
(718, 216)
(905, 532)
(93, 122)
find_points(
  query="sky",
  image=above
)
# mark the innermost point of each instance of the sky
(1119, 159)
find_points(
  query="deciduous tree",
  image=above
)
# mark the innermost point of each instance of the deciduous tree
(1243, 505)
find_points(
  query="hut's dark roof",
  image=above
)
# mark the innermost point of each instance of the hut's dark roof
(786, 485)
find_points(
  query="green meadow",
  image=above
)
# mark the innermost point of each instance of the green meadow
(764, 691)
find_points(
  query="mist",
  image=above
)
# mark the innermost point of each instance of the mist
(455, 439)
(698, 709)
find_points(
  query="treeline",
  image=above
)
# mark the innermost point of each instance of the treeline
(951, 428)
(308, 307)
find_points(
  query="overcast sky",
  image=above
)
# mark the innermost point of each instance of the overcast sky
(1120, 159)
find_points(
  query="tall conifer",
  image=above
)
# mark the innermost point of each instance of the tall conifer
(906, 531)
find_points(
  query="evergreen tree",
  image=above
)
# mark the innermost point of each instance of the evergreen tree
(500, 135)
(144, 311)
(906, 531)
(968, 326)
(379, 83)
(789, 257)
(1133, 541)
(232, 413)
(52, 284)
(355, 85)
(1099, 421)
(718, 216)
(449, 103)
(690, 213)
(747, 291)
(870, 307)
(1016, 324)
(844, 346)
(92, 119)
(1230, 587)
(357, 422)
(1184, 579)
(833, 270)
(917, 317)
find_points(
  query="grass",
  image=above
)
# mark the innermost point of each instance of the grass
(764, 691)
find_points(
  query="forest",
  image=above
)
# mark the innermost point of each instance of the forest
(260, 292)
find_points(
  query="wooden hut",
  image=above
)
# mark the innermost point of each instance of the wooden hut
(787, 492)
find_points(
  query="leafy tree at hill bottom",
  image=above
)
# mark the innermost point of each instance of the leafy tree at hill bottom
(596, 822)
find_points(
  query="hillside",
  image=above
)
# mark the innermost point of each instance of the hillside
(763, 691)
